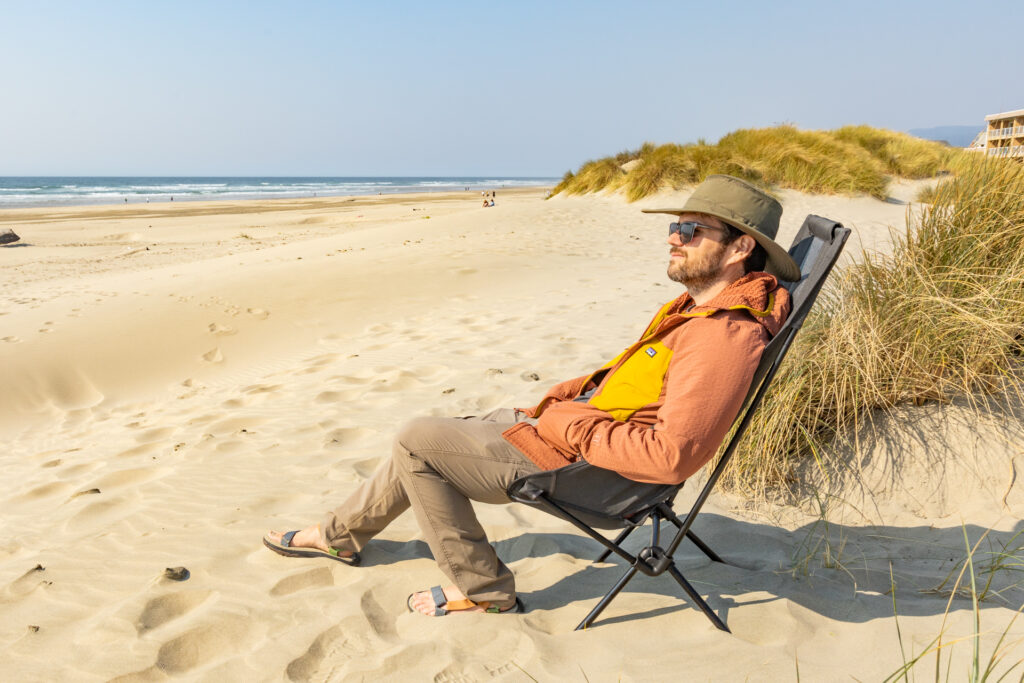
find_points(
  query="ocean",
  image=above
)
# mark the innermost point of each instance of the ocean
(30, 191)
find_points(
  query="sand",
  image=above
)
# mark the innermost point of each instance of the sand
(177, 379)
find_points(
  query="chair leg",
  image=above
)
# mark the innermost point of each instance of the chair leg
(697, 599)
(712, 555)
(589, 619)
(618, 539)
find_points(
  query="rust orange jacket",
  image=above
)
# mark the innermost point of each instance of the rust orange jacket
(659, 410)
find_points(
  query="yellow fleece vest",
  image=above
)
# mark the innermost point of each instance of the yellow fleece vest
(638, 380)
(640, 375)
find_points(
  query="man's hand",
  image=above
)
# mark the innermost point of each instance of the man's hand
(566, 424)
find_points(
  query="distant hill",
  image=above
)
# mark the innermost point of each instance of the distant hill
(955, 136)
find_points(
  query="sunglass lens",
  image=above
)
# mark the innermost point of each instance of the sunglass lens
(683, 229)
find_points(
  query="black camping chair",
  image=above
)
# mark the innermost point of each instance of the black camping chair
(590, 497)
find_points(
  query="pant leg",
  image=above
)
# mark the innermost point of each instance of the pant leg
(382, 498)
(370, 508)
(444, 464)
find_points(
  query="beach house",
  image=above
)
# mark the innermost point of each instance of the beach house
(1004, 134)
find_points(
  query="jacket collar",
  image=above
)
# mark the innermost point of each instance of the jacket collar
(757, 293)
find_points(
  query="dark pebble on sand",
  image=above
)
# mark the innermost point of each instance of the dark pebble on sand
(530, 376)
(176, 573)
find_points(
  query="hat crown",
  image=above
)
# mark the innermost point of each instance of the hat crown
(736, 202)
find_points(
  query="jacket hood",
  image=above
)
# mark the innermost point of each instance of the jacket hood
(757, 293)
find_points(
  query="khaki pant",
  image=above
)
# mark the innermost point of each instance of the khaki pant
(438, 466)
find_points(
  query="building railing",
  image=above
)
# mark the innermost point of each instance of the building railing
(1012, 151)
(1012, 131)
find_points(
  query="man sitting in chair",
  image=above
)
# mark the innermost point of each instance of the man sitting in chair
(656, 413)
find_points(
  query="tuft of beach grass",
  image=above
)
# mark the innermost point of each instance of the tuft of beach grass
(940, 318)
(850, 160)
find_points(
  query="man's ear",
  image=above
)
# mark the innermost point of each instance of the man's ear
(742, 247)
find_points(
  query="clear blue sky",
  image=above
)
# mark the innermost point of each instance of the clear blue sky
(445, 88)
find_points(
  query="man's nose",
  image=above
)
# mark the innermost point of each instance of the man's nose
(674, 239)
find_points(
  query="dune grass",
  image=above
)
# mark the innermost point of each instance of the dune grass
(903, 155)
(939, 319)
(851, 160)
(967, 584)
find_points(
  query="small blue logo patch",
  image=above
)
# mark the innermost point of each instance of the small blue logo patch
(650, 351)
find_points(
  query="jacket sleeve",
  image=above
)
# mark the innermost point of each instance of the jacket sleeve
(563, 391)
(710, 372)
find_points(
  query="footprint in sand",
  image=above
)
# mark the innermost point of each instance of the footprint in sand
(143, 449)
(346, 436)
(338, 396)
(127, 477)
(313, 578)
(234, 426)
(167, 608)
(348, 643)
(221, 330)
(46, 491)
(258, 313)
(11, 339)
(261, 388)
(100, 514)
(27, 583)
(154, 434)
(203, 644)
(214, 355)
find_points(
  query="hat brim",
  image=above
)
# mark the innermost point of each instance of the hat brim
(780, 263)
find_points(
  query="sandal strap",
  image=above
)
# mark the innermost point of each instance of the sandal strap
(437, 593)
(286, 538)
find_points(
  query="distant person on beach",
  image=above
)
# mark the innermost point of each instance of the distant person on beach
(491, 202)
(656, 413)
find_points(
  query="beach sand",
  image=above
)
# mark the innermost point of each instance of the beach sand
(177, 379)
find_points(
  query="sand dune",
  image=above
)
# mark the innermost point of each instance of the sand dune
(179, 379)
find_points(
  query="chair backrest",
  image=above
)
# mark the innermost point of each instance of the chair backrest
(815, 249)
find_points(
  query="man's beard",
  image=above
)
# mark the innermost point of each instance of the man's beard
(696, 274)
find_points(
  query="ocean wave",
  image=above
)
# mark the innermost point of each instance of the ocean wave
(35, 191)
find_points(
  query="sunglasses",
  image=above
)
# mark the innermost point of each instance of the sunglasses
(685, 229)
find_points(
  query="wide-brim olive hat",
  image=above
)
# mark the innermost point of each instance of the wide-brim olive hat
(745, 208)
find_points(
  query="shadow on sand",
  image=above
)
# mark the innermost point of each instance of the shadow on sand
(840, 572)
